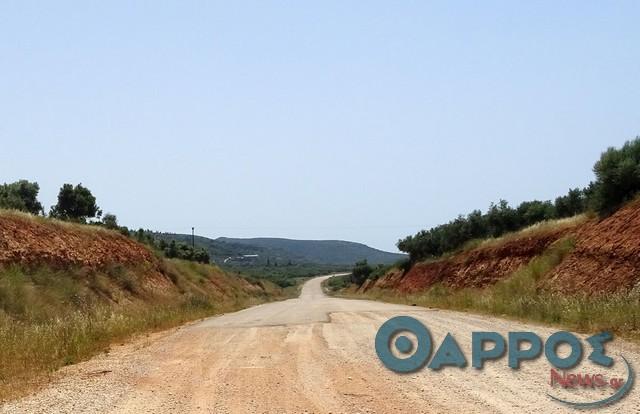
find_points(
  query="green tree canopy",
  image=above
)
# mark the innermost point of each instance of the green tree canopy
(361, 272)
(184, 251)
(21, 195)
(617, 177)
(110, 221)
(75, 203)
(571, 204)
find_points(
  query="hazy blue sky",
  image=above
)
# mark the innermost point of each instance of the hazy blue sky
(364, 121)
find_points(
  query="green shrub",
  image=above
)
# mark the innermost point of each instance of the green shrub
(110, 221)
(75, 203)
(21, 195)
(575, 202)
(617, 177)
(520, 296)
(181, 250)
(337, 283)
(360, 272)
(617, 181)
(378, 271)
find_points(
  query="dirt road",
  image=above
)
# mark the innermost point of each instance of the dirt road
(313, 354)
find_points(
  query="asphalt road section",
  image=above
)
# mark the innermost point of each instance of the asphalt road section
(313, 354)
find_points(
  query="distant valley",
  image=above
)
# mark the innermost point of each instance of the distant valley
(285, 251)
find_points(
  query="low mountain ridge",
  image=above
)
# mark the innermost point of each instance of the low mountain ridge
(281, 250)
(320, 251)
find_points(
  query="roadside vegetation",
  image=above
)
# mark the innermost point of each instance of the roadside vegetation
(363, 271)
(336, 284)
(521, 297)
(531, 231)
(76, 204)
(71, 285)
(22, 196)
(289, 274)
(617, 181)
(54, 317)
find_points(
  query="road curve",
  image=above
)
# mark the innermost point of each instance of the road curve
(313, 354)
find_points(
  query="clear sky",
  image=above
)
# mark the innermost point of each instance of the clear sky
(356, 120)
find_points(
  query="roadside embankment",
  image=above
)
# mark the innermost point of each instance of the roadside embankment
(68, 291)
(582, 273)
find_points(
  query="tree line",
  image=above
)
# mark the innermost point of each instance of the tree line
(617, 180)
(78, 204)
(74, 203)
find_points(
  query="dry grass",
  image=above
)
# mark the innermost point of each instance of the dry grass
(520, 297)
(31, 350)
(51, 318)
(531, 231)
(50, 221)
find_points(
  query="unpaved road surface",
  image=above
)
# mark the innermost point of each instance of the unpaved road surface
(313, 354)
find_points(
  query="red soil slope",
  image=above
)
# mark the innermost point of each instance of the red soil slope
(606, 257)
(475, 268)
(99, 255)
(79, 249)
(28, 240)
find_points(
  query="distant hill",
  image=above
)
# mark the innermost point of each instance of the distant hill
(336, 252)
(318, 251)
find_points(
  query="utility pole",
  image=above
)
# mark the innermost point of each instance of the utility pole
(193, 238)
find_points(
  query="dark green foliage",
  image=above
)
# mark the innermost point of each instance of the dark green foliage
(21, 195)
(284, 282)
(75, 203)
(361, 272)
(404, 265)
(617, 177)
(201, 256)
(140, 235)
(499, 219)
(379, 271)
(531, 212)
(172, 250)
(617, 181)
(575, 202)
(285, 275)
(110, 221)
(184, 251)
(337, 283)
